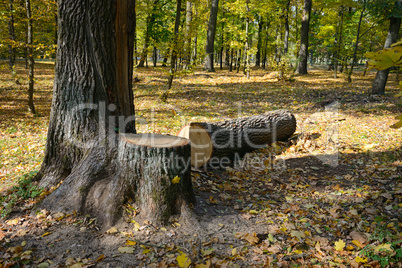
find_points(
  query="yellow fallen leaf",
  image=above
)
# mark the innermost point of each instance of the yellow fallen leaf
(234, 252)
(340, 245)
(112, 230)
(357, 243)
(359, 259)
(46, 234)
(100, 258)
(176, 180)
(382, 247)
(183, 260)
(131, 243)
(127, 250)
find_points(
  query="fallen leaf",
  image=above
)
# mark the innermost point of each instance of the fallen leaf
(126, 250)
(176, 180)
(183, 260)
(46, 234)
(361, 237)
(131, 243)
(100, 258)
(112, 230)
(340, 245)
(382, 247)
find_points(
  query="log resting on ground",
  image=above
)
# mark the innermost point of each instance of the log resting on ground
(223, 142)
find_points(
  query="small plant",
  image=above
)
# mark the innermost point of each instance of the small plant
(24, 190)
(383, 249)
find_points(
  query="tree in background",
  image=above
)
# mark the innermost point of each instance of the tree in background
(381, 77)
(304, 33)
(31, 61)
(209, 57)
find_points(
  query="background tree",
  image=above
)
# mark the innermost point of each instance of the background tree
(381, 77)
(304, 33)
(209, 58)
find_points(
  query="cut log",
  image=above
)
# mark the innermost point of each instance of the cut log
(223, 142)
(159, 166)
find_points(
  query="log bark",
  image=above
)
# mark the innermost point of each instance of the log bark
(224, 142)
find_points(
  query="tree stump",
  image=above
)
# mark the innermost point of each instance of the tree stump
(160, 171)
(151, 169)
(220, 143)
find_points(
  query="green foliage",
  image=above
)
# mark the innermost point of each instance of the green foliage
(389, 251)
(384, 59)
(23, 191)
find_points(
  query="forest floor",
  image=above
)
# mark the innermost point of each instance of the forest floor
(329, 197)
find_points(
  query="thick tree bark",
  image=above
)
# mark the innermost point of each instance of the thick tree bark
(209, 59)
(223, 142)
(381, 77)
(304, 32)
(356, 44)
(31, 62)
(90, 164)
(11, 32)
(160, 174)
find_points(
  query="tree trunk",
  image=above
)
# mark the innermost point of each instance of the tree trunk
(356, 44)
(381, 77)
(173, 58)
(150, 22)
(11, 32)
(221, 143)
(209, 59)
(338, 44)
(304, 32)
(259, 43)
(187, 38)
(31, 62)
(286, 40)
(98, 170)
(246, 48)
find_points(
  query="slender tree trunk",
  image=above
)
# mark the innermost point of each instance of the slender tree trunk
(338, 43)
(304, 33)
(238, 60)
(381, 77)
(11, 32)
(356, 44)
(31, 62)
(231, 60)
(187, 38)
(209, 60)
(286, 40)
(150, 22)
(134, 25)
(246, 48)
(259, 43)
(222, 40)
(155, 56)
(173, 58)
